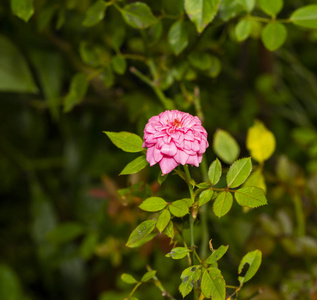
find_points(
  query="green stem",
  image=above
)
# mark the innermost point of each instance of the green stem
(168, 104)
(191, 218)
(300, 218)
(134, 289)
(204, 215)
(133, 56)
(197, 104)
(255, 18)
(159, 285)
(204, 172)
(192, 237)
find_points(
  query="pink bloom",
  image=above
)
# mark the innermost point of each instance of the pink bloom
(173, 138)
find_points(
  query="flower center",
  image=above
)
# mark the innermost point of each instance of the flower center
(176, 123)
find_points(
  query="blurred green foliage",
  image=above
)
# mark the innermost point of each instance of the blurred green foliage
(72, 69)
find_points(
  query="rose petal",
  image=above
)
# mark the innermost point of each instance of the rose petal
(195, 146)
(157, 154)
(181, 157)
(169, 149)
(192, 160)
(167, 164)
(150, 157)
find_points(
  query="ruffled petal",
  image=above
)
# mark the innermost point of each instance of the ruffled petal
(192, 160)
(150, 157)
(181, 157)
(202, 147)
(157, 154)
(169, 149)
(195, 146)
(167, 164)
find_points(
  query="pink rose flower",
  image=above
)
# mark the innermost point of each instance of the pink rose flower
(173, 138)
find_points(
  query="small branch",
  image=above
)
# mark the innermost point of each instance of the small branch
(134, 289)
(134, 56)
(159, 285)
(167, 103)
(260, 19)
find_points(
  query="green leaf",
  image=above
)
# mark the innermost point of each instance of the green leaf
(200, 60)
(179, 208)
(248, 5)
(50, 74)
(148, 275)
(305, 16)
(271, 7)
(243, 29)
(127, 278)
(274, 35)
(154, 32)
(217, 254)
(91, 54)
(10, 285)
(250, 196)
(163, 220)
(95, 13)
(128, 142)
(161, 178)
(169, 230)
(119, 64)
(205, 196)
(65, 232)
(254, 259)
(213, 285)
(239, 172)
(225, 146)
(140, 233)
(204, 185)
(189, 201)
(189, 276)
(23, 9)
(178, 253)
(138, 15)
(153, 204)
(215, 67)
(222, 204)
(135, 166)
(77, 91)
(15, 75)
(229, 9)
(87, 247)
(178, 37)
(215, 171)
(118, 37)
(107, 76)
(201, 12)
(256, 179)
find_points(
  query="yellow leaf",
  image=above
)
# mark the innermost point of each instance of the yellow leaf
(260, 142)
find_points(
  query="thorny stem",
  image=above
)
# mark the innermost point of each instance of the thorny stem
(159, 285)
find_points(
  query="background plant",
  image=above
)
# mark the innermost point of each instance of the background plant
(71, 69)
